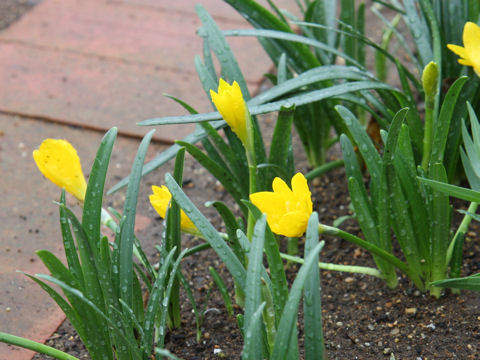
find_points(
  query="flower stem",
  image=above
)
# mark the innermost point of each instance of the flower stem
(337, 267)
(35, 346)
(252, 187)
(330, 230)
(462, 229)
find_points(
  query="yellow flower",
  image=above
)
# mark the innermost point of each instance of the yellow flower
(230, 104)
(160, 200)
(470, 53)
(58, 161)
(287, 210)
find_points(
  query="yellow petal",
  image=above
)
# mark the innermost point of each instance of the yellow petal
(58, 161)
(160, 200)
(288, 210)
(471, 41)
(459, 50)
(269, 203)
(292, 224)
(280, 187)
(231, 105)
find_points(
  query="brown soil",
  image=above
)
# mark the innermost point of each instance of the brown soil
(363, 319)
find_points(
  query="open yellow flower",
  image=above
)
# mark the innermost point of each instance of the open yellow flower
(230, 104)
(288, 210)
(470, 53)
(160, 200)
(58, 161)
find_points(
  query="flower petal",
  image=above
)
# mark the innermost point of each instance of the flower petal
(58, 161)
(459, 50)
(292, 224)
(160, 200)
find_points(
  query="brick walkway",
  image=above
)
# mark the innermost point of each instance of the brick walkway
(93, 64)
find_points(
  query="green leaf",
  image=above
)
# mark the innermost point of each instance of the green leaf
(208, 231)
(287, 327)
(71, 312)
(221, 49)
(365, 145)
(128, 342)
(252, 349)
(35, 346)
(420, 32)
(154, 302)
(281, 152)
(172, 278)
(312, 304)
(453, 190)
(125, 242)
(275, 264)
(300, 55)
(221, 174)
(442, 125)
(253, 285)
(92, 207)
(302, 99)
(223, 290)
(231, 226)
(467, 283)
(69, 246)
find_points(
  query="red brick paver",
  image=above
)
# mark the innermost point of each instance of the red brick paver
(94, 64)
(102, 64)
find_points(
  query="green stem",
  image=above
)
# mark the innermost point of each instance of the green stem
(322, 169)
(337, 267)
(292, 246)
(330, 230)
(252, 187)
(35, 346)
(428, 134)
(462, 229)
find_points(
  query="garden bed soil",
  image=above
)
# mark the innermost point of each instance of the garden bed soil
(363, 318)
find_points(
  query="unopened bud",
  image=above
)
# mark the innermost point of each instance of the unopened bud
(430, 79)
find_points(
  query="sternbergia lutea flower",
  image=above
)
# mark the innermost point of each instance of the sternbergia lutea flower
(58, 161)
(288, 210)
(231, 105)
(470, 52)
(160, 200)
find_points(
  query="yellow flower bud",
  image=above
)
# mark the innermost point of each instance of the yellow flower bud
(288, 210)
(160, 200)
(231, 105)
(430, 79)
(470, 53)
(58, 161)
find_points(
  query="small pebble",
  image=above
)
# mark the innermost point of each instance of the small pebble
(394, 331)
(8, 309)
(339, 323)
(410, 311)
(349, 280)
(370, 327)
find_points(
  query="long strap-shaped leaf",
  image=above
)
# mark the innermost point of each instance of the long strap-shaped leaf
(221, 49)
(287, 327)
(253, 296)
(92, 207)
(312, 304)
(129, 342)
(302, 99)
(125, 245)
(208, 231)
